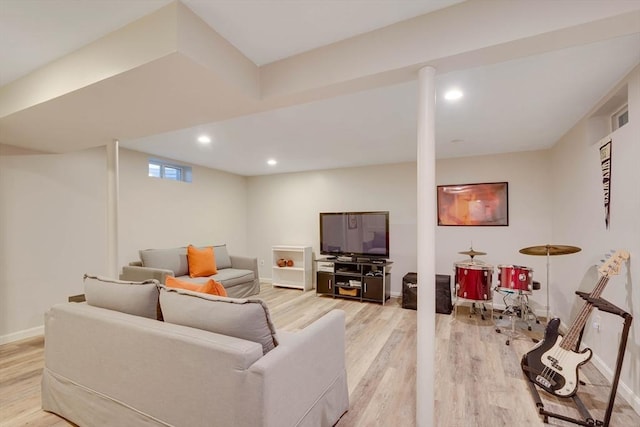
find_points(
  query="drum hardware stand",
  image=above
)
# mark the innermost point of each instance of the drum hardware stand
(520, 310)
(549, 250)
(472, 311)
(482, 310)
(602, 305)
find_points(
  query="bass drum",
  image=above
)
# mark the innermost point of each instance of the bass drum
(473, 281)
(515, 277)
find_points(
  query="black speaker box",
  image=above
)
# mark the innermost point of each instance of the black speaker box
(410, 291)
(443, 292)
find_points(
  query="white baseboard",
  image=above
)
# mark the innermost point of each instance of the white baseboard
(623, 389)
(21, 335)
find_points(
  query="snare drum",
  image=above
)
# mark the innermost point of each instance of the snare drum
(515, 277)
(473, 281)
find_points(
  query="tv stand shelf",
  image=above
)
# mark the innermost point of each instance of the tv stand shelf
(358, 280)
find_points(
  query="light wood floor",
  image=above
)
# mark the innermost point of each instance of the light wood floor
(478, 378)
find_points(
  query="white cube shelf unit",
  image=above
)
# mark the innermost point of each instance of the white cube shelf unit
(300, 274)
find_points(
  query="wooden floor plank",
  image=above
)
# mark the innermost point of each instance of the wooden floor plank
(478, 379)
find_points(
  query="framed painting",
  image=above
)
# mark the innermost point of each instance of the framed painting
(484, 204)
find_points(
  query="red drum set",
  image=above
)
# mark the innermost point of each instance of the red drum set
(473, 283)
(515, 283)
(515, 277)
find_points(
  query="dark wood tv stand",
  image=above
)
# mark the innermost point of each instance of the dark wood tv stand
(362, 280)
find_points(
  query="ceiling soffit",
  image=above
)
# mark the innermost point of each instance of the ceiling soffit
(466, 35)
(134, 45)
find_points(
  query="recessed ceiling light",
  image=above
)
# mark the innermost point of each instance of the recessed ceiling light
(204, 139)
(453, 95)
(272, 162)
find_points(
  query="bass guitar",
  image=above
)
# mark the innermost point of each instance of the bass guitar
(553, 363)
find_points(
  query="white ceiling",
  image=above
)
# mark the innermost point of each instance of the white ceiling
(269, 30)
(35, 32)
(523, 104)
(520, 105)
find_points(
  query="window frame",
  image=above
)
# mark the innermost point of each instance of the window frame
(615, 117)
(183, 172)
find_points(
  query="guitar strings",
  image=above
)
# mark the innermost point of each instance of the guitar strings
(561, 352)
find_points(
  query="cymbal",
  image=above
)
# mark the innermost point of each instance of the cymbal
(550, 250)
(472, 253)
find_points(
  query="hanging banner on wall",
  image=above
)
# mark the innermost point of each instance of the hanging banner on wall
(605, 164)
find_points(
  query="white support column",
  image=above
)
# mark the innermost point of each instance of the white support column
(425, 415)
(112, 208)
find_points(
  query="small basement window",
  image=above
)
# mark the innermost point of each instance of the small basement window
(170, 171)
(620, 118)
(610, 116)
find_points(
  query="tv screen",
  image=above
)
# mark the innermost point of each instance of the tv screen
(364, 234)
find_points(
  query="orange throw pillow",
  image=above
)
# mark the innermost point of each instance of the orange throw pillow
(211, 287)
(172, 282)
(202, 262)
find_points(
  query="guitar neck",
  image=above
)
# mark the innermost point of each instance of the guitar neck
(610, 267)
(571, 338)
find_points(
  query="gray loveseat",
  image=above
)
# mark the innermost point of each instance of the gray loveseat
(238, 274)
(213, 361)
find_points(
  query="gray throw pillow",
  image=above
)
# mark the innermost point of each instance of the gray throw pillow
(174, 259)
(244, 318)
(136, 298)
(222, 256)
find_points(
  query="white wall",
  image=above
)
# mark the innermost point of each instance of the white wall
(157, 213)
(578, 219)
(284, 209)
(528, 175)
(52, 223)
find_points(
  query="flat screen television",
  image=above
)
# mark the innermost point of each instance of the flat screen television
(355, 234)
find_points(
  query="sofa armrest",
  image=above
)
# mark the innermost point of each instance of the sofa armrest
(306, 373)
(244, 263)
(139, 274)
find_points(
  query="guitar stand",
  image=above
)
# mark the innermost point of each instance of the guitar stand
(602, 305)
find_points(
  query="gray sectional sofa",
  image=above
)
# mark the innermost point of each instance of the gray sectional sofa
(213, 361)
(238, 274)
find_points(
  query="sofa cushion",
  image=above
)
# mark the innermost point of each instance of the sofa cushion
(222, 257)
(174, 259)
(136, 298)
(230, 277)
(202, 261)
(243, 318)
(211, 287)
